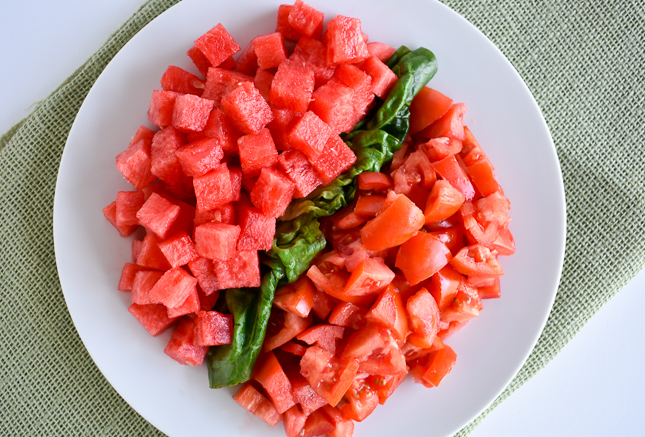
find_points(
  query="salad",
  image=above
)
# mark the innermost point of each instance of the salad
(315, 221)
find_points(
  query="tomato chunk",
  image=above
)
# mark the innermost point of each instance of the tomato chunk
(422, 256)
(476, 260)
(395, 225)
(329, 376)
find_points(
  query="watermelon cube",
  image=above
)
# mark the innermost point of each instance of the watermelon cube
(306, 20)
(173, 288)
(150, 255)
(213, 328)
(143, 133)
(220, 82)
(216, 240)
(262, 81)
(199, 157)
(309, 135)
(314, 54)
(345, 42)
(127, 205)
(292, 86)
(247, 109)
(228, 63)
(256, 403)
(213, 189)
(134, 163)
(247, 62)
(190, 306)
(298, 168)
(207, 302)
(203, 270)
(283, 122)
(257, 151)
(334, 104)
(153, 317)
(220, 128)
(109, 212)
(283, 25)
(217, 45)
(381, 50)
(162, 105)
(336, 159)
(272, 192)
(179, 249)
(236, 182)
(136, 249)
(256, 229)
(269, 50)
(191, 113)
(163, 162)
(243, 270)
(127, 276)
(142, 283)
(222, 214)
(199, 59)
(158, 215)
(360, 83)
(383, 79)
(181, 81)
(181, 346)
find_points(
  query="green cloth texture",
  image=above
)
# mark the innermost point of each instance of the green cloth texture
(583, 62)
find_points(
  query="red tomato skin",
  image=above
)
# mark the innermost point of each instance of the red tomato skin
(389, 311)
(395, 225)
(431, 370)
(422, 256)
(476, 260)
(424, 318)
(369, 277)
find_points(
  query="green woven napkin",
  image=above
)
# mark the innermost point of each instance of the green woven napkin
(583, 62)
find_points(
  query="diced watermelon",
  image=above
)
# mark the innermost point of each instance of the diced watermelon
(203, 270)
(283, 25)
(190, 306)
(217, 45)
(162, 105)
(213, 189)
(191, 113)
(309, 135)
(220, 128)
(220, 82)
(257, 151)
(298, 168)
(306, 20)
(361, 84)
(269, 373)
(292, 86)
(134, 163)
(163, 162)
(294, 420)
(181, 346)
(283, 122)
(334, 104)
(173, 288)
(345, 42)
(272, 192)
(153, 317)
(256, 403)
(247, 109)
(243, 270)
(128, 273)
(257, 230)
(158, 215)
(382, 51)
(236, 182)
(270, 50)
(199, 59)
(222, 214)
(247, 62)
(216, 240)
(383, 79)
(150, 255)
(207, 302)
(228, 63)
(142, 284)
(199, 157)
(213, 328)
(305, 395)
(127, 205)
(179, 249)
(336, 159)
(314, 54)
(181, 81)
(262, 81)
(109, 212)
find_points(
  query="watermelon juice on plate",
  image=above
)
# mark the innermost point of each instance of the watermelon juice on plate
(504, 351)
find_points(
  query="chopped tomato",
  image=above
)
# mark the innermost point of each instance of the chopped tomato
(270, 375)
(284, 326)
(344, 426)
(361, 400)
(424, 318)
(421, 257)
(505, 243)
(451, 170)
(476, 260)
(348, 315)
(369, 206)
(369, 277)
(389, 311)
(333, 284)
(329, 376)
(395, 225)
(444, 285)
(444, 200)
(452, 237)
(324, 336)
(297, 297)
(385, 385)
(374, 181)
(431, 370)
(376, 350)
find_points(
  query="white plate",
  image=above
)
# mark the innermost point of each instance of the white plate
(501, 113)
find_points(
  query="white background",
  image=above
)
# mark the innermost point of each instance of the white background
(594, 387)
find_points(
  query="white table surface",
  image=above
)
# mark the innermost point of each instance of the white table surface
(594, 387)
